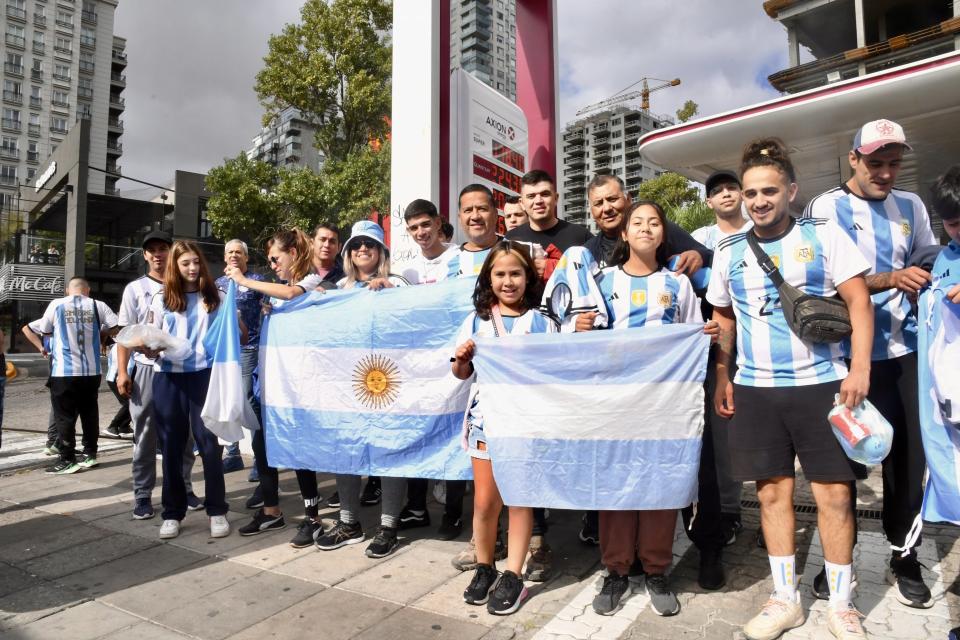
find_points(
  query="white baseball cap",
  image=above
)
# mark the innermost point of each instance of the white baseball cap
(877, 134)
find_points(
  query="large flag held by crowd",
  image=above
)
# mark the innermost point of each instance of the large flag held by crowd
(599, 420)
(939, 373)
(359, 382)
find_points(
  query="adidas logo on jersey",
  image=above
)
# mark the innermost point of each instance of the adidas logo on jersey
(615, 296)
(856, 227)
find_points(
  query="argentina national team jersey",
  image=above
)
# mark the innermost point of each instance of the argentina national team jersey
(887, 232)
(464, 263)
(191, 325)
(135, 307)
(814, 256)
(74, 323)
(660, 298)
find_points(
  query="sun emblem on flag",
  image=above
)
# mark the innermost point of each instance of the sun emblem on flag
(376, 381)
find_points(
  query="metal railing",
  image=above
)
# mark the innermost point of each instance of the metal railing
(11, 124)
(13, 68)
(16, 13)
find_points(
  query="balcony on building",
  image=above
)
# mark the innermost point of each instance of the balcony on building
(573, 136)
(39, 21)
(10, 153)
(113, 167)
(116, 102)
(90, 17)
(88, 42)
(16, 13)
(12, 97)
(119, 58)
(851, 38)
(114, 148)
(114, 125)
(578, 173)
(10, 124)
(17, 42)
(33, 130)
(573, 150)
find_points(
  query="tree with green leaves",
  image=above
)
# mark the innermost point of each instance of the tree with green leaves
(242, 203)
(690, 109)
(335, 67)
(669, 190)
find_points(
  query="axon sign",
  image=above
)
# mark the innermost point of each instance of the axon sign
(503, 129)
(45, 176)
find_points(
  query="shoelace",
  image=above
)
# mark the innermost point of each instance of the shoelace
(850, 618)
(774, 606)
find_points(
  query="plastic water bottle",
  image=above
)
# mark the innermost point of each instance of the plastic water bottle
(863, 433)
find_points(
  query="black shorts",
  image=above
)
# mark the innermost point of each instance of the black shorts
(771, 426)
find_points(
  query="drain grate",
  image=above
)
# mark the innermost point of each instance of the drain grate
(863, 514)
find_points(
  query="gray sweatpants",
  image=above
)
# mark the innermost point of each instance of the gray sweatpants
(391, 501)
(145, 436)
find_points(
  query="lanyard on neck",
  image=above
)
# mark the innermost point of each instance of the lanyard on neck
(497, 318)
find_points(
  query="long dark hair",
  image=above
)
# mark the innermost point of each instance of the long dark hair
(621, 251)
(483, 298)
(174, 296)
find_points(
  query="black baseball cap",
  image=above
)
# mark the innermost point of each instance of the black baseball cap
(157, 234)
(721, 175)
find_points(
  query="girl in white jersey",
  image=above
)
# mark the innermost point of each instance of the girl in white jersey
(640, 291)
(506, 300)
(187, 305)
(290, 256)
(366, 261)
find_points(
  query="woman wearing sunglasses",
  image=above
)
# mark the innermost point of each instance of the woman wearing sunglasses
(291, 257)
(366, 261)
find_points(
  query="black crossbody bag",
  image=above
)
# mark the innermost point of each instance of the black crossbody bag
(811, 318)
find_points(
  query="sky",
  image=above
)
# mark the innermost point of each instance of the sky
(191, 66)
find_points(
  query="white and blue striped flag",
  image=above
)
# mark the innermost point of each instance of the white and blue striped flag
(939, 378)
(607, 420)
(359, 382)
(226, 409)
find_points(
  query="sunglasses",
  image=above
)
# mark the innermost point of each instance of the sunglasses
(274, 260)
(366, 243)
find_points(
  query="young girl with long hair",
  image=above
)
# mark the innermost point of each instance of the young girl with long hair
(505, 299)
(640, 291)
(290, 254)
(186, 306)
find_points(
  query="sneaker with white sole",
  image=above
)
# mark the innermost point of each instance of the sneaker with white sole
(143, 510)
(87, 462)
(169, 529)
(219, 527)
(844, 623)
(339, 535)
(775, 617)
(508, 594)
(262, 523)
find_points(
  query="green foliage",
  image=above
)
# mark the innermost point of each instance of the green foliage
(691, 216)
(241, 205)
(690, 109)
(335, 67)
(357, 186)
(669, 190)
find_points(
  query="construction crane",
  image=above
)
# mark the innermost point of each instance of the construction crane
(643, 94)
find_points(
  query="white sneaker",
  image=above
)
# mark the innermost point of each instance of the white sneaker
(169, 529)
(219, 527)
(775, 617)
(845, 623)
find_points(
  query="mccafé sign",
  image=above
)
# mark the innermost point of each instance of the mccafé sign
(30, 282)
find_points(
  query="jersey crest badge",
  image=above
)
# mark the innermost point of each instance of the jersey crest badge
(804, 253)
(638, 298)
(665, 299)
(905, 228)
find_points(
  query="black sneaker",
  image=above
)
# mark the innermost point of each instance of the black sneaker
(371, 492)
(904, 574)
(662, 598)
(731, 527)
(339, 535)
(262, 523)
(608, 601)
(482, 584)
(143, 509)
(384, 543)
(450, 528)
(410, 519)
(307, 533)
(589, 534)
(193, 502)
(710, 576)
(87, 462)
(255, 501)
(63, 467)
(508, 595)
(334, 500)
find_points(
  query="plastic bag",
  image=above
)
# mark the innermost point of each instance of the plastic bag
(136, 336)
(864, 434)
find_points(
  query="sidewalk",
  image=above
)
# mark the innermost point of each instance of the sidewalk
(74, 564)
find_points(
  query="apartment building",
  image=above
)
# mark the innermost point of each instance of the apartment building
(483, 41)
(287, 142)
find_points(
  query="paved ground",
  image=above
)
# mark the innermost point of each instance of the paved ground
(73, 563)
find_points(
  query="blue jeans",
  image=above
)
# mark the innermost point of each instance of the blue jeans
(249, 357)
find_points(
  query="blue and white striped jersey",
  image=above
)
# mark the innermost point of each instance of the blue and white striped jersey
(660, 298)
(135, 307)
(464, 263)
(113, 367)
(710, 235)
(74, 324)
(887, 232)
(814, 256)
(191, 325)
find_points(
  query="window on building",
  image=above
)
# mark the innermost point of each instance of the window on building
(616, 134)
(85, 87)
(7, 202)
(88, 36)
(8, 174)
(10, 145)
(64, 45)
(17, 4)
(16, 37)
(65, 18)
(84, 111)
(36, 96)
(61, 72)
(38, 10)
(11, 117)
(616, 145)
(31, 173)
(58, 125)
(86, 61)
(14, 63)
(33, 152)
(12, 90)
(60, 98)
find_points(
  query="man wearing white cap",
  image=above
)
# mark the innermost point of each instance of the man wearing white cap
(888, 226)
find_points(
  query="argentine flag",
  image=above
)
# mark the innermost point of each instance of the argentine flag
(939, 373)
(607, 420)
(226, 409)
(359, 382)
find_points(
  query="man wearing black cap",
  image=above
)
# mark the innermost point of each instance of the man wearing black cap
(723, 198)
(138, 385)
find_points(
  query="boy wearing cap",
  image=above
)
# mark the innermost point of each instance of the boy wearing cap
(889, 225)
(723, 198)
(134, 309)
